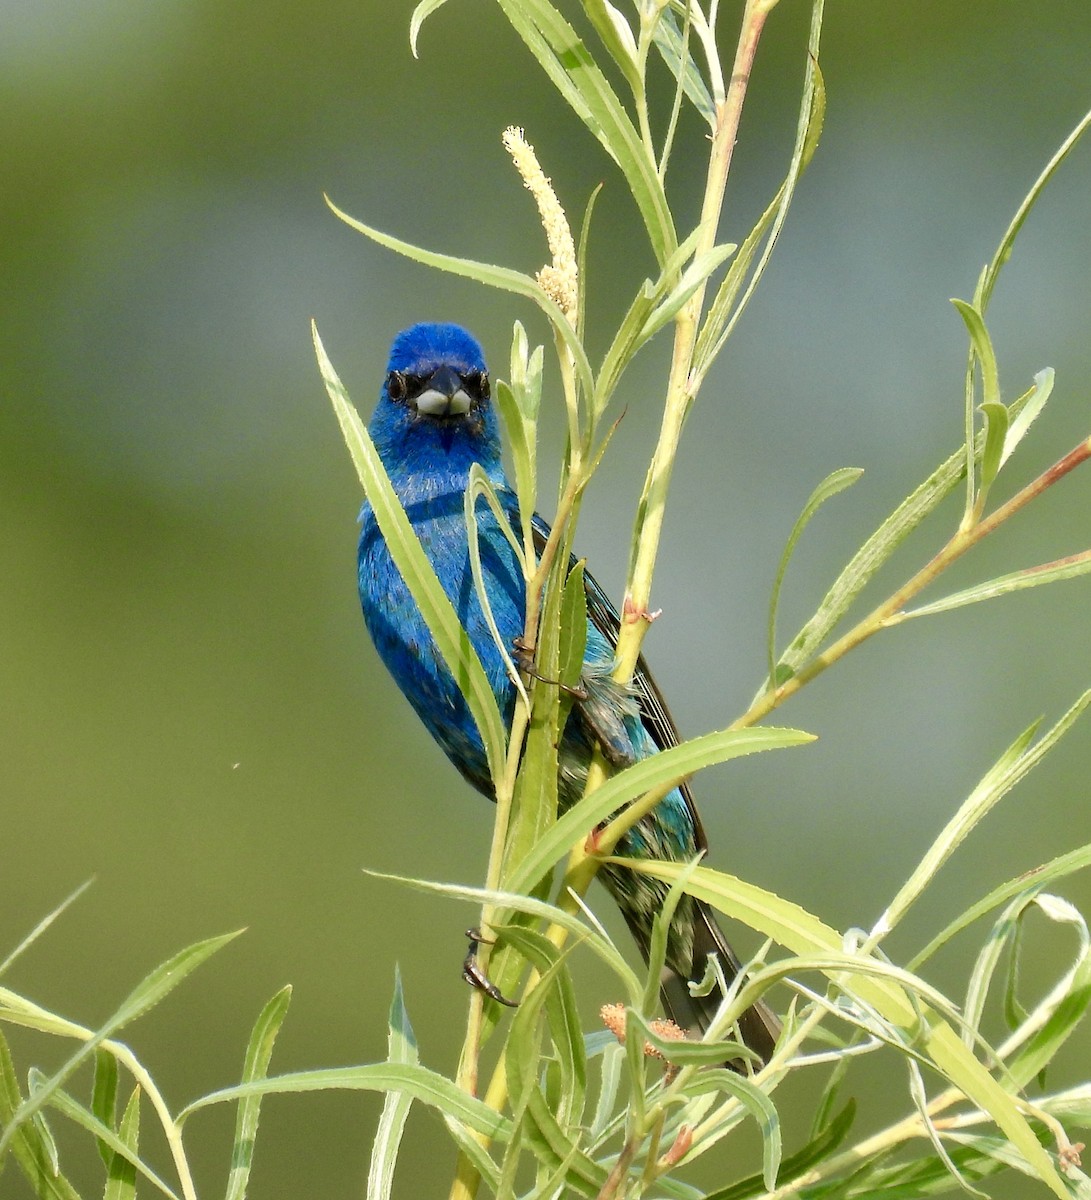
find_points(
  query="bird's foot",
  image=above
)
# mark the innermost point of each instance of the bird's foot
(524, 660)
(473, 974)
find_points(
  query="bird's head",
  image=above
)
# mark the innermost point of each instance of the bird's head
(435, 401)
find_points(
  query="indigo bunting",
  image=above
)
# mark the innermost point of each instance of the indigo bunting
(432, 422)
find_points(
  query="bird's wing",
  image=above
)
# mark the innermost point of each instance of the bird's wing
(654, 713)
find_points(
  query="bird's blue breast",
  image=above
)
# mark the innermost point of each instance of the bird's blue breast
(402, 637)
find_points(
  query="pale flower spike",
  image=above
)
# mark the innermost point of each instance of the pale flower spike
(559, 279)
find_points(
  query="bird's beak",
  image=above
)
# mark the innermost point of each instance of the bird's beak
(444, 396)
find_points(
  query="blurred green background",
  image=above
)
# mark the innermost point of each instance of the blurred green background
(193, 714)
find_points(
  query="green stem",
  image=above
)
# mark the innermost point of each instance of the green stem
(890, 612)
(636, 618)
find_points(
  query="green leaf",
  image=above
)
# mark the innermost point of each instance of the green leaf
(27, 1146)
(525, 903)
(502, 278)
(983, 349)
(158, 984)
(695, 275)
(1056, 1016)
(572, 70)
(104, 1097)
(1057, 868)
(668, 40)
(727, 307)
(259, 1051)
(420, 14)
(616, 35)
(451, 639)
(43, 925)
(996, 431)
(480, 486)
(410, 1078)
(815, 1152)
(121, 1184)
(761, 1109)
(1004, 249)
(876, 550)
(401, 1048)
(541, 1128)
(120, 1147)
(836, 481)
(669, 767)
(1069, 567)
(1031, 404)
(562, 1012)
(803, 933)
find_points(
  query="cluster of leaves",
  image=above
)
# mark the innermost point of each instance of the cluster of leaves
(569, 1112)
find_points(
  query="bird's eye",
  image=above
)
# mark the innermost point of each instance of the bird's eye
(396, 386)
(477, 384)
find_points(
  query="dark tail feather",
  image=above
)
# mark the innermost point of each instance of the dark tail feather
(758, 1026)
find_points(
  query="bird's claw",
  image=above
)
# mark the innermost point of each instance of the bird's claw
(474, 975)
(524, 660)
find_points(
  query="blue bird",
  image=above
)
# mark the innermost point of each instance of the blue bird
(433, 421)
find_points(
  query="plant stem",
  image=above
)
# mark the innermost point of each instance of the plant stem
(890, 613)
(680, 396)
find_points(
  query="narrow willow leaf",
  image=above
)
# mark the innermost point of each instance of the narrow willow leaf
(761, 1109)
(120, 1149)
(616, 35)
(573, 634)
(26, 1144)
(43, 925)
(581, 258)
(983, 349)
(1014, 765)
(610, 1079)
(1031, 406)
(627, 340)
(695, 276)
(669, 42)
(410, 1078)
(153, 988)
(1045, 1030)
(104, 1096)
(451, 639)
(523, 452)
(996, 432)
(479, 485)
(420, 14)
(669, 767)
(803, 933)
(875, 551)
(836, 481)
(993, 785)
(532, 906)
(811, 1155)
(483, 1162)
(1004, 249)
(35, 1079)
(563, 1015)
(1070, 567)
(121, 1184)
(401, 1048)
(1057, 868)
(727, 307)
(502, 278)
(570, 67)
(541, 1128)
(259, 1051)
(919, 1096)
(988, 959)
